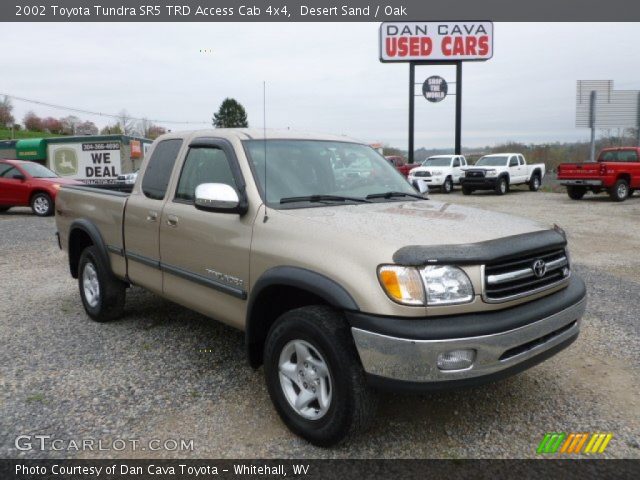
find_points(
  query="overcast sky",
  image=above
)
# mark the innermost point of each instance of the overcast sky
(320, 77)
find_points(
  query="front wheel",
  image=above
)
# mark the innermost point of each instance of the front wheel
(534, 183)
(314, 376)
(4, 209)
(467, 190)
(447, 186)
(102, 294)
(502, 186)
(620, 191)
(42, 205)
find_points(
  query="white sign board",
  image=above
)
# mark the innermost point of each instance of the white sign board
(435, 41)
(90, 162)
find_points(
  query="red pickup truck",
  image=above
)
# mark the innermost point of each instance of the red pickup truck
(616, 172)
(400, 164)
(24, 184)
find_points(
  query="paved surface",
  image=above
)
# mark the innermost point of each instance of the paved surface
(166, 373)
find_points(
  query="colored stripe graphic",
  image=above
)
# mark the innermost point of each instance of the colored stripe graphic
(572, 443)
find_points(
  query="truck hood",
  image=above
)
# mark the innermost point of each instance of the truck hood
(398, 224)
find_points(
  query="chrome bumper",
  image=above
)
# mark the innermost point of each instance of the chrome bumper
(415, 360)
(591, 183)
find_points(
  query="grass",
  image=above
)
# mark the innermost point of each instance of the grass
(37, 397)
(5, 134)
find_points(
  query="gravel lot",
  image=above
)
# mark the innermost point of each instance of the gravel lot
(164, 372)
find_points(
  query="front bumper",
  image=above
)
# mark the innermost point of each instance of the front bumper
(431, 181)
(479, 182)
(526, 334)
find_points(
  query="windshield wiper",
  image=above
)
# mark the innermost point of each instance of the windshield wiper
(394, 194)
(322, 198)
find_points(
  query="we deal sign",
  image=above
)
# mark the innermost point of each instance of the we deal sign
(435, 41)
(90, 162)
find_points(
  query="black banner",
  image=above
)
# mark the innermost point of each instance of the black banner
(361, 469)
(316, 11)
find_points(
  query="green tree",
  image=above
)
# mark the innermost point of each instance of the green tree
(231, 114)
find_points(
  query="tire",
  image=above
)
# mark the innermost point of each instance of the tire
(324, 336)
(447, 186)
(42, 204)
(103, 296)
(620, 191)
(4, 209)
(632, 191)
(502, 186)
(467, 190)
(534, 183)
(576, 192)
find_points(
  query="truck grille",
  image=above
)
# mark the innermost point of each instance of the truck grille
(525, 276)
(422, 174)
(474, 173)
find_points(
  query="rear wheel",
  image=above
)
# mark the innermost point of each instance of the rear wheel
(4, 209)
(467, 190)
(41, 204)
(102, 294)
(314, 376)
(447, 186)
(620, 191)
(576, 192)
(534, 183)
(502, 186)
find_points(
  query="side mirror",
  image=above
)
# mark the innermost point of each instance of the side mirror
(422, 186)
(19, 176)
(218, 197)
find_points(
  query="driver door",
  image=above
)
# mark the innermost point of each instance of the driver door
(205, 254)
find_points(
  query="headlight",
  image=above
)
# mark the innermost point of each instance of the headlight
(491, 173)
(442, 284)
(402, 284)
(445, 285)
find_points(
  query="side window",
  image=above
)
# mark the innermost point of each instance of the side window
(521, 158)
(158, 171)
(513, 161)
(464, 161)
(203, 165)
(456, 162)
(8, 172)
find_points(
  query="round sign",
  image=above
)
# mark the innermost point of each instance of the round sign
(435, 88)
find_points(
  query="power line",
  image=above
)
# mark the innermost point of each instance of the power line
(100, 114)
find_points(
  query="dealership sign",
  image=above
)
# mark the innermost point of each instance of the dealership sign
(91, 162)
(435, 41)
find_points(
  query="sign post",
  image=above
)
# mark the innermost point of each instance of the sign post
(435, 43)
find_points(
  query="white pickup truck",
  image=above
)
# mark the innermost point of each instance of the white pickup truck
(499, 171)
(441, 171)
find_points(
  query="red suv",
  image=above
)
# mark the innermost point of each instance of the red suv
(617, 172)
(24, 184)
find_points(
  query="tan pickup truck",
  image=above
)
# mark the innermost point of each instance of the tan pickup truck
(345, 279)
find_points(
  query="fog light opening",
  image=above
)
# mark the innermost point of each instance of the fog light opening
(456, 359)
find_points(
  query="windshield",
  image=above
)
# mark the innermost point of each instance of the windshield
(37, 171)
(619, 156)
(498, 161)
(437, 162)
(302, 168)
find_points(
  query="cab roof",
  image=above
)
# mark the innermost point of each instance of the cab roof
(259, 134)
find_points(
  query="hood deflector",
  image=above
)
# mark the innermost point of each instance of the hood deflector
(501, 249)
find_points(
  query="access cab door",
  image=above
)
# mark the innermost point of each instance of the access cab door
(205, 254)
(143, 214)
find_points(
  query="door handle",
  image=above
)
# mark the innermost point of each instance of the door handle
(172, 220)
(152, 216)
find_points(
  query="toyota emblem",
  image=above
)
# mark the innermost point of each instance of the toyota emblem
(539, 268)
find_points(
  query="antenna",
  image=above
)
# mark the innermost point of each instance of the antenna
(264, 140)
